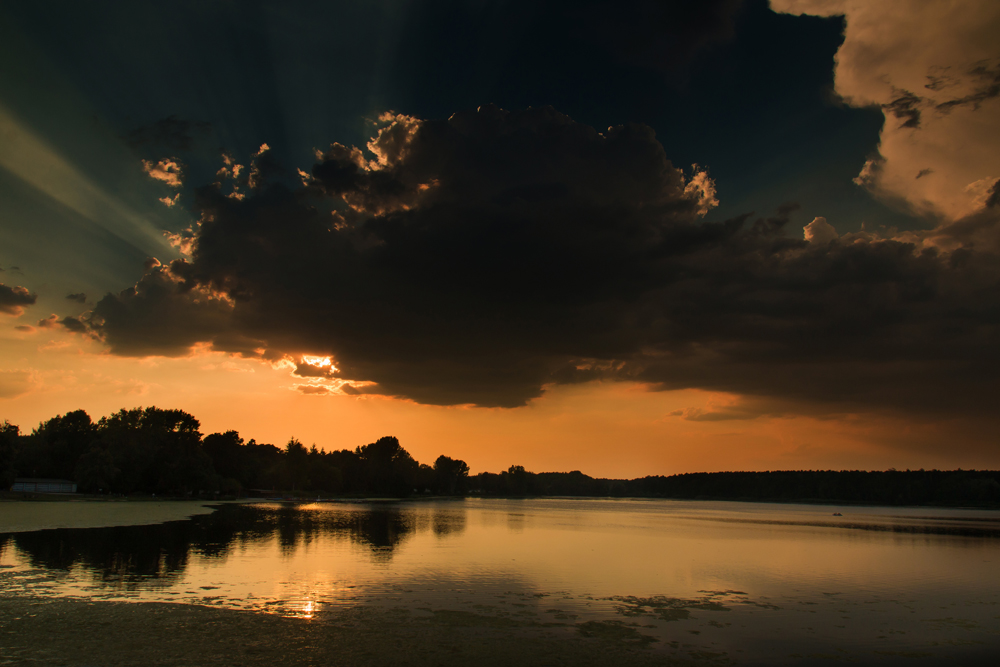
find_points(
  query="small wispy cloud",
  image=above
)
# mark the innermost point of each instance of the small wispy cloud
(168, 171)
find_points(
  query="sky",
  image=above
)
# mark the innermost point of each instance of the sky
(625, 238)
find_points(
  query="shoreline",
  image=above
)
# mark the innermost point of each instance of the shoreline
(42, 513)
(35, 515)
(32, 497)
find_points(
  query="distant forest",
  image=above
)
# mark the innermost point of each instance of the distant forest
(150, 450)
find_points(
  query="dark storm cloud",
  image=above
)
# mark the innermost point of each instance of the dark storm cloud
(161, 316)
(79, 297)
(477, 259)
(681, 66)
(13, 300)
(74, 324)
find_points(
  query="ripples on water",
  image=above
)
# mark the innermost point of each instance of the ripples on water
(727, 579)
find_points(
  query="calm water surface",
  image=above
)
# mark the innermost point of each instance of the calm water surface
(729, 582)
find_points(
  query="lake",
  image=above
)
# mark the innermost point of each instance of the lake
(715, 582)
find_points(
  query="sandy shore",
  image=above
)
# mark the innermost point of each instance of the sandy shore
(20, 516)
(77, 633)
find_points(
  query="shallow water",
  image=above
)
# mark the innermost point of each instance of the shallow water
(741, 583)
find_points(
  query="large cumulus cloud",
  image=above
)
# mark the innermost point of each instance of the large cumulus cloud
(934, 68)
(480, 258)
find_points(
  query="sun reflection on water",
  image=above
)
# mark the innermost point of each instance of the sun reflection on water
(302, 609)
(686, 566)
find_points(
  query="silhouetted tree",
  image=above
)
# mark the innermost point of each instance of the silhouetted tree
(63, 439)
(351, 468)
(424, 478)
(389, 468)
(450, 475)
(95, 471)
(10, 436)
(228, 458)
(156, 450)
(325, 476)
(263, 463)
(161, 451)
(517, 481)
(296, 468)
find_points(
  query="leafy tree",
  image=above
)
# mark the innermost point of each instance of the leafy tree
(96, 470)
(9, 441)
(450, 475)
(351, 469)
(296, 468)
(229, 458)
(389, 468)
(122, 435)
(517, 480)
(424, 478)
(156, 450)
(64, 439)
(263, 463)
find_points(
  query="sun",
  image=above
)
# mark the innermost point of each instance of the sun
(319, 362)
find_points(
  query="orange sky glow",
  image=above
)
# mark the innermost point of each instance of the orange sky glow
(605, 429)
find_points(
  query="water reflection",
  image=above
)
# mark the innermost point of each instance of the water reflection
(130, 557)
(960, 527)
(515, 522)
(132, 554)
(128, 553)
(695, 576)
(449, 521)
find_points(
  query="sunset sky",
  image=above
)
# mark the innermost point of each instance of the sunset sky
(627, 238)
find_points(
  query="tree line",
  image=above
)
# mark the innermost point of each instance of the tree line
(979, 488)
(150, 450)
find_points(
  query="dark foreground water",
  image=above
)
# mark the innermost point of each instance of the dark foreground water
(717, 582)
